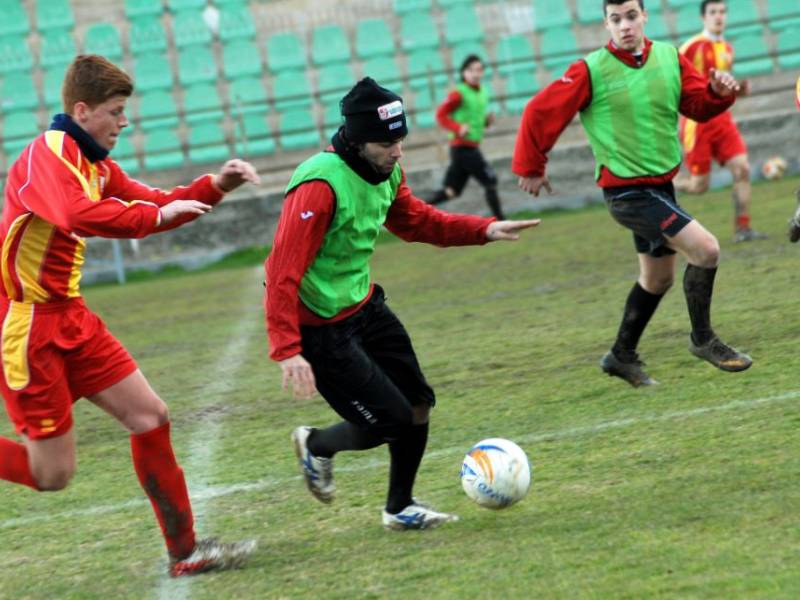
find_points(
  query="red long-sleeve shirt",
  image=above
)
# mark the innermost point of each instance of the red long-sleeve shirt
(306, 216)
(445, 121)
(551, 110)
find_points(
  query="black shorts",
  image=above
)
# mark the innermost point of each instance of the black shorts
(466, 162)
(650, 212)
(366, 369)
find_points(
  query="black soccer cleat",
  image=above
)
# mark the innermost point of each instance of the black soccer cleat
(629, 369)
(722, 356)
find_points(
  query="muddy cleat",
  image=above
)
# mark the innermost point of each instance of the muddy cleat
(721, 355)
(416, 516)
(794, 222)
(212, 555)
(748, 235)
(630, 370)
(317, 471)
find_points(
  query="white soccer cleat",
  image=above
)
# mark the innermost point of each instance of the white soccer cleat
(317, 471)
(416, 516)
(212, 555)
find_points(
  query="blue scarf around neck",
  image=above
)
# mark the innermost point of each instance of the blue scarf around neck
(90, 148)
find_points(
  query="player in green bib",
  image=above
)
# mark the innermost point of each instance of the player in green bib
(629, 95)
(329, 325)
(465, 114)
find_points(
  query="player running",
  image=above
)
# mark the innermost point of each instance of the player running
(629, 94)
(64, 188)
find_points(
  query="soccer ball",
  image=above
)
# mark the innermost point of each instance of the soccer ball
(773, 168)
(496, 473)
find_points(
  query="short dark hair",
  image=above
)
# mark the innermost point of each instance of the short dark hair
(467, 62)
(704, 4)
(607, 2)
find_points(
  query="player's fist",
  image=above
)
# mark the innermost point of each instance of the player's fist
(234, 173)
(533, 185)
(723, 83)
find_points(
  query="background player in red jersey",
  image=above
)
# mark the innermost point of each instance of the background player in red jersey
(718, 139)
(64, 187)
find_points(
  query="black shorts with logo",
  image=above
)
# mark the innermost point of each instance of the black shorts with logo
(366, 369)
(650, 212)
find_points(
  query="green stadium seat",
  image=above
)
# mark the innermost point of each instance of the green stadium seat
(329, 45)
(687, 23)
(253, 136)
(54, 15)
(236, 22)
(657, 28)
(402, 7)
(374, 38)
(426, 65)
(741, 13)
(142, 8)
(551, 13)
(521, 85)
(290, 89)
(103, 38)
(334, 82)
(189, 29)
(196, 65)
(285, 51)
(788, 48)
(460, 52)
(15, 19)
(514, 52)
(450, 3)
(201, 102)
(240, 58)
(147, 35)
(786, 23)
(680, 3)
(19, 129)
(384, 70)
(15, 54)
(17, 92)
(162, 150)
(157, 110)
(590, 12)
(559, 48)
(417, 31)
(778, 9)
(53, 79)
(752, 56)
(332, 118)
(152, 72)
(423, 108)
(247, 95)
(207, 143)
(124, 153)
(179, 5)
(298, 130)
(58, 48)
(461, 24)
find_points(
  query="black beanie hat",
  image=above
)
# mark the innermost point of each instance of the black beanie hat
(373, 114)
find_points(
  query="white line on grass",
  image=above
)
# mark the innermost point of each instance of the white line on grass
(205, 493)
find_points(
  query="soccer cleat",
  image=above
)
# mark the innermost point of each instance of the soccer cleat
(630, 369)
(748, 235)
(416, 516)
(794, 222)
(212, 555)
(721, 355)
(317, 471)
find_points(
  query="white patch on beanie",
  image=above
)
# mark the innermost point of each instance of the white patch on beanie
(391, 110)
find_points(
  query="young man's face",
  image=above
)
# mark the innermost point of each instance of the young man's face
(473, 74)
(383, 156)
(103, 122)
(626, 22)
(715, 18)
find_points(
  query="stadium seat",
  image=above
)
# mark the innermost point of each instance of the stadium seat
(19, 129)
(157, 110)
(681, 3)
(103, 38)
(424, 66)
(236, 22)
(329, 45)
(402, 7)
(384, 70)
(201, 102)
(373, 38)
(196, 65)
(253, 136)
(752, 56)
(207, 143)
(290, 89)
(590, 12)
(657, 28)
(285, 51)
(559, 48)
(247, 95)
(332, 118)
(58, 48)
(741, 13)
(514, 52)
(124, 153)
(17, 93)
(179, 5)
(417, 31)
(424, 108)
(241, 58)
(298, 130)
(141, 8)
(450, 3)
(687, 23)
(334, 82)
(51, 90)
(162, 150)
(15, 19)
(788, 48)
(15, 54)
(152, 72)
(461, 25)
(147, 35)
(778, 9)
(521, 85)
(189, 29)
(550, 13)
(54, 15)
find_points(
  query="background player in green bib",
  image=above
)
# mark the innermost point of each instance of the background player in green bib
(629, 95)
(465, 114)
(328, 323)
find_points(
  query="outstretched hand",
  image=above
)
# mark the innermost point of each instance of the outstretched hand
(297, 372)
(723, 83)
(179, 208)
(533, 185)
(234, 173)
(508, 230)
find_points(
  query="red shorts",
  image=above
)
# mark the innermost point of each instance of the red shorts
(718, 139)
(53, 354)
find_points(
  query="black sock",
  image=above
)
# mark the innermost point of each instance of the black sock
(493, 200)
(342, 436)
(698, 285)
(439, 197)
(406, 454)
(639, 308)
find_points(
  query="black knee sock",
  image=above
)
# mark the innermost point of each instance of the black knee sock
(639, 308)
(342, 436)
(698, 285)
(439, 197)
(406, 454)
(493, 200)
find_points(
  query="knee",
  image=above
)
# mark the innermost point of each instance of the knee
(53, 479)
(155, 415)
(657, 284)
(741, 172)
(706, 254)
(698, 186)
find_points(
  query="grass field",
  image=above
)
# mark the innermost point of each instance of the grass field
(686, 490)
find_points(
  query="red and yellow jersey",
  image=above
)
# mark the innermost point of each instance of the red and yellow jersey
(706, 54)
(55, 197)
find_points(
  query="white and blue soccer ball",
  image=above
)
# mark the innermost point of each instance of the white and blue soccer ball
(496, 473)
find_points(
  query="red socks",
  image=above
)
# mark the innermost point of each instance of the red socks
(163, 481)
(14, 465)
(742, 222)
